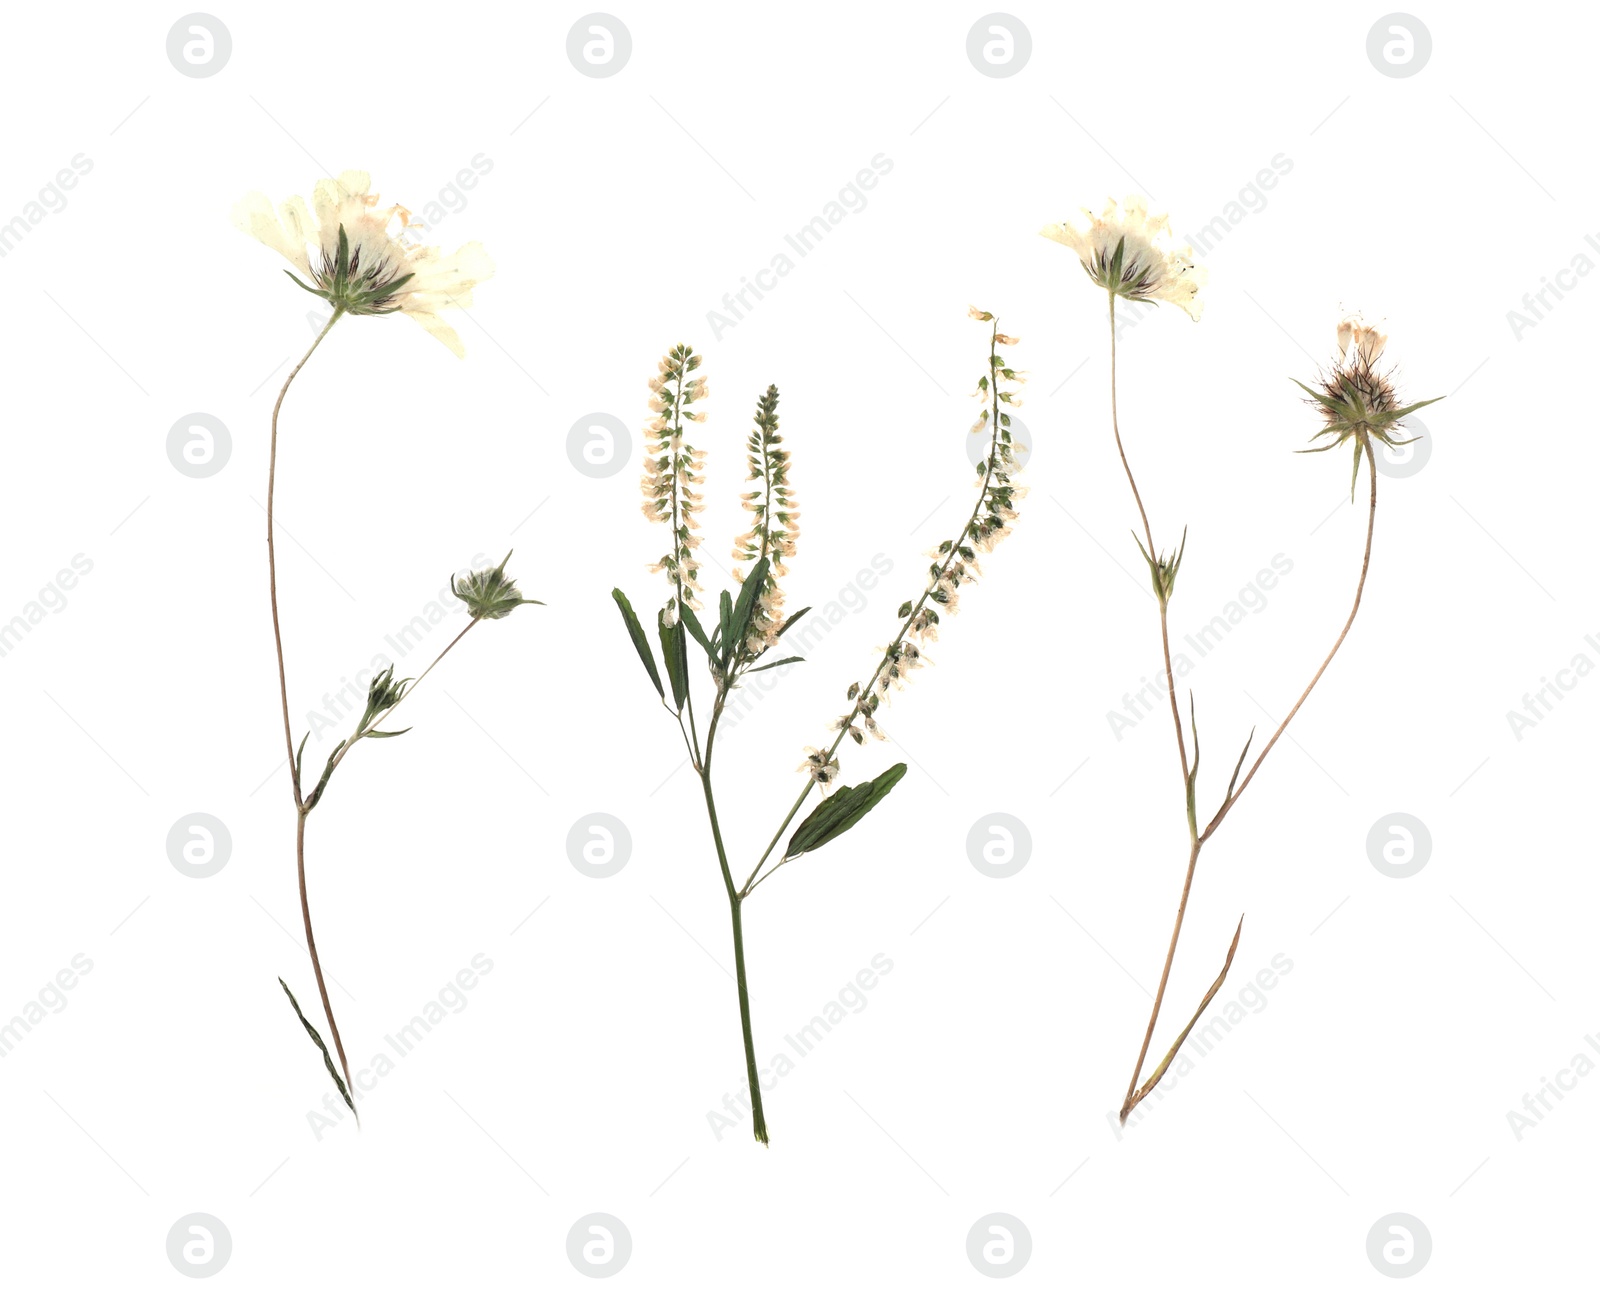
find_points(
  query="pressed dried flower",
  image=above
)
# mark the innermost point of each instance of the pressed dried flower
(363, 258)
(490, 594)
(672, 467)
(1356, 399)
(1129, 252)
(739, 635)
(773, 531)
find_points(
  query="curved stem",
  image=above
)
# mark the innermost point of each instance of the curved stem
(1137, 1093)
(283, 696)
(272, 555)
(1150, 547)
(1361, 584)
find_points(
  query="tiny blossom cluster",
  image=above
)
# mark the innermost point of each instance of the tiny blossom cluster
(821, 765)
(672, 470)
(773, 531)
(1360, 346)
(1133, 254)
(954, 564)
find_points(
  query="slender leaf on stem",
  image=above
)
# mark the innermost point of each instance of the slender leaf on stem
(840, 811)
(1188, 1028)
(1239, 764)
(640, 644)
(676, 658)
(1194, 770)
(691, 621)
(742, 609)
(788, 659)
(792, 620)
(326, 1058)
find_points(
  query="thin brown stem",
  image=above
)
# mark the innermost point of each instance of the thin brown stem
(1150, 547)
(283, 696)
(311, 946)
(272, 557)
(1361, 584)
(1161, 988)
(1136, 1093)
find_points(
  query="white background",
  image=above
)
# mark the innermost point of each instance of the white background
(979, 1078)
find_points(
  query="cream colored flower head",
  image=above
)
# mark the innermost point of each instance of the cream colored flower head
(1131, 253)
(363, 258)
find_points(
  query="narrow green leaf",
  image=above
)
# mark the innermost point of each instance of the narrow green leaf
(326, 1058)
(1205, 1001)
(840, 811)
(640, 644)
(792, 620)
(691, 621)
(401, 732)
(725, 624)
(788, 659)
(745, 606)
(676, 658)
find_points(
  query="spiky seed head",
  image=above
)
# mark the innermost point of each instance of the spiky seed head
(490, 594)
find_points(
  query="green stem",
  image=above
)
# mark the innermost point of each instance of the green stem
(735, 905)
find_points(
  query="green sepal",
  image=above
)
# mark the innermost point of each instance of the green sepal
(315, 291)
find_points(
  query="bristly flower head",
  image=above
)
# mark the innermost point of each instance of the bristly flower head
(1358, 400)
(773, 532)
(672, 469)
(490, 594)
(1132, 254)
(365, 259)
